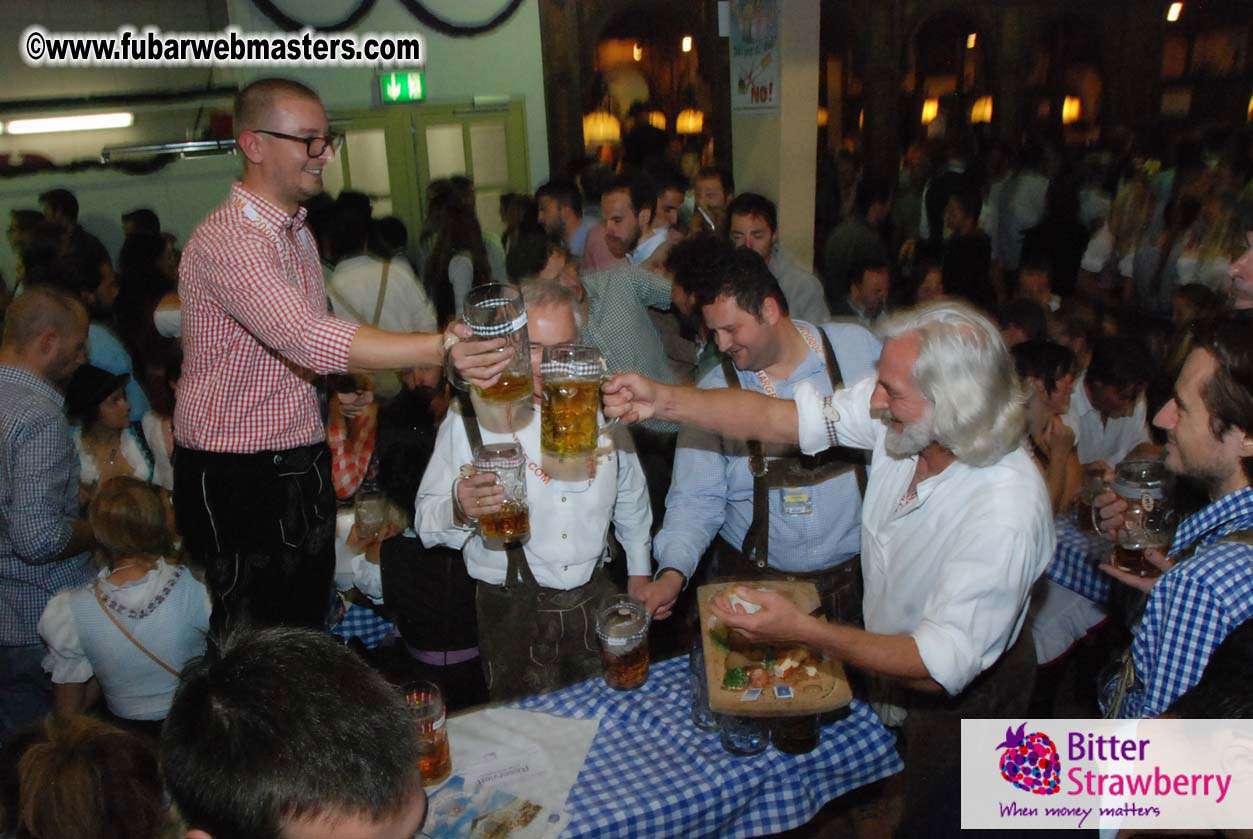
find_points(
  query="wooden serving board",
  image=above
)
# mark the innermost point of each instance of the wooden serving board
(830, 691)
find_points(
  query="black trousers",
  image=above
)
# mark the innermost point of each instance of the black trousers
(263, 528)
(932, 738)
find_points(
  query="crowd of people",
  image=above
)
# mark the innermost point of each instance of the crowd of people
(182, 443)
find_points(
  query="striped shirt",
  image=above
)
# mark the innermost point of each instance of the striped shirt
(1193, 607)
(38, 504)
(618, 324)
(256, 331)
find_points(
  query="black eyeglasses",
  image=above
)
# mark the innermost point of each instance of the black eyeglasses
(314, 146)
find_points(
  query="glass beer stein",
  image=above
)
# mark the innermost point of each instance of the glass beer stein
(427, 703)
(497, 311)
(570, 417)
(1150, 518)
(622, 627)
(1092, 485)
(511, 525)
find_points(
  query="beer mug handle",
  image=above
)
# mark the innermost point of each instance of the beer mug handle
(606, 422)
(450, 371)
(1096, 513)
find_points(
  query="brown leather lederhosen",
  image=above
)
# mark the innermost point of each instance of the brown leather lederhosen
(840, 588)
(531, 638)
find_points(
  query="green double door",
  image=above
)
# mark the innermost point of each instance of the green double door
(393, 153)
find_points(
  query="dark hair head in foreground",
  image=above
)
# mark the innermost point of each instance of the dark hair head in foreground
(279, 725)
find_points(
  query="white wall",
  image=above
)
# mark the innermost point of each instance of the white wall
(164, 121)
(505, 61)
(181, 194)
(22, 82)
(775, 152)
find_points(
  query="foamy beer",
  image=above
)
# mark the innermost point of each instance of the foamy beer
(511, 525)
(570, 418)
(1150, 519)
(497, 311)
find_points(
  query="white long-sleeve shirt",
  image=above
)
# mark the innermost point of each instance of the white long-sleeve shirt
(569, 520)
(952, 569)
(1108, 440)
(354, 292)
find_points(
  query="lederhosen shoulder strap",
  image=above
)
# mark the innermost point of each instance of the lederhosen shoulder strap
(853, 456)
(756, 546)
(378, 304)
(1240, 537)
(518, 572)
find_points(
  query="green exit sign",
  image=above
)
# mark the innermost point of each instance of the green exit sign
(402, 87)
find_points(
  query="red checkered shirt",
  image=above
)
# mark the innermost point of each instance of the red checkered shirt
(256, 331)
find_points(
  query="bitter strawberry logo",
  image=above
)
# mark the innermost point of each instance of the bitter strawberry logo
(1030, 762)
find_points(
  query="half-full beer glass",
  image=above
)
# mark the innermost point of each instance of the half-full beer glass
(622, 627)
(570, 417)
(511, 525)
(1150, 519)
(427, 703)
(497, 311)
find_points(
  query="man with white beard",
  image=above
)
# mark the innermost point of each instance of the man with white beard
(956, 527)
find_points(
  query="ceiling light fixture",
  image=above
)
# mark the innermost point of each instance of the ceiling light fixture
(81, 122)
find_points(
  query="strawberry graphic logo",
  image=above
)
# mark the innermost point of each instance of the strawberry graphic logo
(1030, 762)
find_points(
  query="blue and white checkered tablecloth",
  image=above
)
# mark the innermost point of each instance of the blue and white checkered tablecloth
(363, 623)
(651, 773)
(1075, 560)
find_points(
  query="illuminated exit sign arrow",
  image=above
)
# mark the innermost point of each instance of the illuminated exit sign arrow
(402, 87)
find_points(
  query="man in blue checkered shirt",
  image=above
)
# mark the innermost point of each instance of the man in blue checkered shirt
(43, 542)
(1207, 588)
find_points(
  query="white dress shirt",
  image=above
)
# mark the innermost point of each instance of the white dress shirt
(953, 568)
(569, 520)
(1110, 440)
(352, 569)
(354, 292)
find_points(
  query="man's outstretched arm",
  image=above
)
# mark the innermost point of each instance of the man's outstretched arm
(734, 413)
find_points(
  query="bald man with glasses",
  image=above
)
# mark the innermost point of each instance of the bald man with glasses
(252, 473)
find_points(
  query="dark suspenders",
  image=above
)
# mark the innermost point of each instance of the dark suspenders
(519, 572)
(756, 546)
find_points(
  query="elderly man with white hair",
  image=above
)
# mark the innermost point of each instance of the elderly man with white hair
(956, 526)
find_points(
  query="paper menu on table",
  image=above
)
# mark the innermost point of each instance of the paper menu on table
(512, 773)
(461, 810)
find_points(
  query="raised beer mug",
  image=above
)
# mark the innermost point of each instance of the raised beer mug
(497, 311)
(570, 416)
(511, 525)
(1150, 519)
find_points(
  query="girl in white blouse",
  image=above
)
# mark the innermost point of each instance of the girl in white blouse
(129, 633)
(107, 444)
